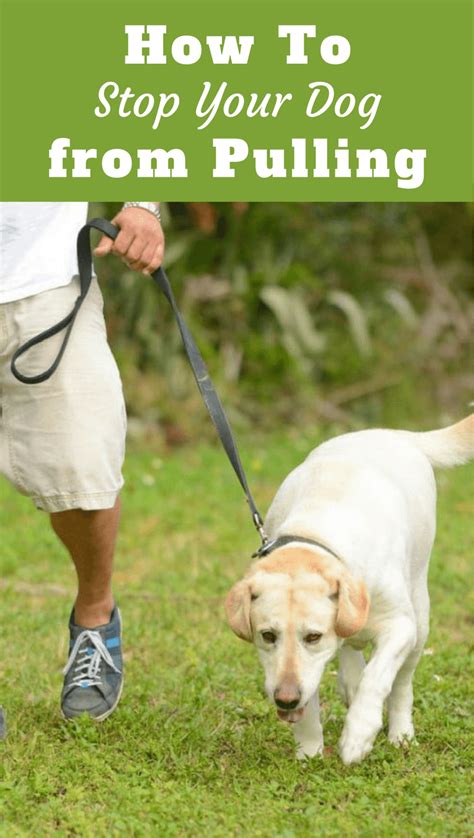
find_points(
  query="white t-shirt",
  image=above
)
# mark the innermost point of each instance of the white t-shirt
(38, 246)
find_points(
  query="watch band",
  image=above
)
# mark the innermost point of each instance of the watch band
(146, 205)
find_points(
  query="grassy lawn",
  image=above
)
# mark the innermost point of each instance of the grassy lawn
(194, 748)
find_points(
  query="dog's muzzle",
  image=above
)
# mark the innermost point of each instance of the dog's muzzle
(291, 716)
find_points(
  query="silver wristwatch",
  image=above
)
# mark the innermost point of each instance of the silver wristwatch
(146, 205)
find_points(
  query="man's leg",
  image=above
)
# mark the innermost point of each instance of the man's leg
(66, 440)
(90, 538)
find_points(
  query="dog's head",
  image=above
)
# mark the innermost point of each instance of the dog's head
(294, 605)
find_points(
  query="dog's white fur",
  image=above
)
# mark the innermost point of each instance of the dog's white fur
(370, 497)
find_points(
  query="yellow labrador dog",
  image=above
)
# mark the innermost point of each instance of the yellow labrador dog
(351, 532)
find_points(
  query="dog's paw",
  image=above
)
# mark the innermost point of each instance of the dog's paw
(354, 748)
(401, 734)
(306, 750)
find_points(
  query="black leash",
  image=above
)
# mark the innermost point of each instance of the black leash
(269, 546)
(200, 371)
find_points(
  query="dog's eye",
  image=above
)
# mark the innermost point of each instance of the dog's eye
(313, 637)
(269, 636)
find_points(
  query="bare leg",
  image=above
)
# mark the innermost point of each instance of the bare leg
(90, 538)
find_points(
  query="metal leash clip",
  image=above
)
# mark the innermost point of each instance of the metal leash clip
(258, 521)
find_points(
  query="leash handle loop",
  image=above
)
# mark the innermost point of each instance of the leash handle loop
(200, 371)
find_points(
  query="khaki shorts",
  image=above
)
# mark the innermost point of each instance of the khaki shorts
(62, 442)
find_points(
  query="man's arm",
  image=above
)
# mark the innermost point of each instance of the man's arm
(141, 241)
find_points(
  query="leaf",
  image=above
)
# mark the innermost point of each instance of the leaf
(177, 247)
(299, 334)
(402, 306)
(356, 318)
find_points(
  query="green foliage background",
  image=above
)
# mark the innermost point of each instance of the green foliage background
(356, 314)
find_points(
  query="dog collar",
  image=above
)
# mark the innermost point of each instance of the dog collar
(269, 546)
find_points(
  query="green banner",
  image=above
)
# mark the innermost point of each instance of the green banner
(255, 101)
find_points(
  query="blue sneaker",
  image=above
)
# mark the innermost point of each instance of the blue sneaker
(94, 672)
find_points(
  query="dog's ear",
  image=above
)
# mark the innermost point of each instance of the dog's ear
(353, 606)
(237, 609)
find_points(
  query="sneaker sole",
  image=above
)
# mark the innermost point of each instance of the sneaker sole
(96, 718)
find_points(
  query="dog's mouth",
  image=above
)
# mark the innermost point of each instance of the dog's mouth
(291, 716)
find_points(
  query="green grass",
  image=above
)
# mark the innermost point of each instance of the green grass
(194, 748)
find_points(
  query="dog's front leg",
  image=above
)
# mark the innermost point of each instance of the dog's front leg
(309, 732)
(364, 717)
(351, 667)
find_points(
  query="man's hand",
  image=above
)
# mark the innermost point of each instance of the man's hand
(140, 243)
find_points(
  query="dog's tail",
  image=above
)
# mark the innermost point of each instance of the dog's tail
(450, 446)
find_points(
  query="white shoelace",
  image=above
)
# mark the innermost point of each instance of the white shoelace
(87, 666)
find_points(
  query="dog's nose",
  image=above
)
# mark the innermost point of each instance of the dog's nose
(286, 700)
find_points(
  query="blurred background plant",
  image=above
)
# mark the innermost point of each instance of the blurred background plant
(353, 314)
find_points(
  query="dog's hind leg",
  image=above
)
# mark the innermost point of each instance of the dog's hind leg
(351, 667)
(309, 732)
